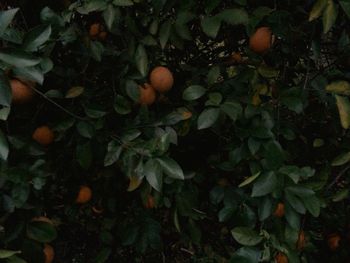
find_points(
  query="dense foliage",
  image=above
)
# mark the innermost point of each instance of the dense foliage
(245, 158)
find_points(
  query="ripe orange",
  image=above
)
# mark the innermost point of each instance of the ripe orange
(333, 241)
(237, 57)
(94, 29)
(150, 202)
(42, 219)
(43, 135)
(21, 92)
(281, 258)
(262, 40)
(279, 212)
(161, 79)
(147, 94)
(49, 253)
(301, 240)
(84, 195)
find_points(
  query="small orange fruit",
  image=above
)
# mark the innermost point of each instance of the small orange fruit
(84, 195)
(333, 241)
(150, 202)
(279, 212)
(147, 94)
(49, 253)
(94, 29)
(281, 258)
(301, 240)
(43, 135)
(21, 92)
(262, 40)
(42, 219)
(161, 79)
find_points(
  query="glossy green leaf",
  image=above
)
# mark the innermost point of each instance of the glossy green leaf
(343, 105)
(6, 18)
(153, 173)
(141, 60)
(211, 26)
(246, 236)
(193, 92)
(265, 184)
(329, 16)
(4, 147)
(4, 253)
(207, 118)
(341, 159)
(317, 9)
(41, 231)
(171, 168)
(35, 38)
(18, 58)
(5, 90)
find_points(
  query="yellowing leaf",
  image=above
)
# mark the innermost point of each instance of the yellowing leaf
(256, 101)
(134, 183)
(339, 87)
(343, 105)
(74, 92)
(329, 16)
(317, 9)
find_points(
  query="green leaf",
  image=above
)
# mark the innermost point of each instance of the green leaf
(292, 217)
(340, 195)
(343, 105)
(113, 153)
(226, 213)
(30, 73)
(164, 33)
(41, 231)
(171, 168)
(97, 49)
(246, 255)
(18, 58)
(300, 191)
(6, 18)
(246, 236)
(207, 118)
(268, 72)
(341, 87)
(153, 173)
(265, 184)
(5, 90)
(84, 155)
(317, 9)
(293, 172)
(92, 6)
(211, 26)
(274, 154)
(85, 129)
(4, 113)
(341, 159)
(345, 4)
(193, 92)
(110, 15)
(329, 16)
(15, 259)
(122, 105)
(234, 16)
(313, 205)
(141, 60)
(35, 38)
(295, 202)
(249, 179)
(232, 109)
(123, 2)
(4, 253)
(103, 255)
(4, 147)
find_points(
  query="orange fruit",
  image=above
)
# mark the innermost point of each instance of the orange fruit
(102, 35)
(43, 135)
(333, 241)
(279, 212)
(147, 94)
(301, 240)
(281, 258)
(21, 92)
(261, 41)
(94, 29)
(161, 79)
(150, 202)
(42, 219)
(84, 195)
(236, 57)
(49, 253)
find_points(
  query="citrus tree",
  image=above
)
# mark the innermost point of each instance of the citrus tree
(174, 131)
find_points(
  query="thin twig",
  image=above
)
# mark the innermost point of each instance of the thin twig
(57, 105)
(336, 179)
